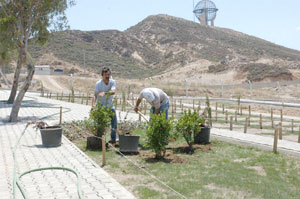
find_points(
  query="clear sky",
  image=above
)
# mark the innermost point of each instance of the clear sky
(277, 21)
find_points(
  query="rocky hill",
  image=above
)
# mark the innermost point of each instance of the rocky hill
(162, 44)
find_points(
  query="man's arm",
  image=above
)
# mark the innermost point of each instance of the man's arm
(136, 108)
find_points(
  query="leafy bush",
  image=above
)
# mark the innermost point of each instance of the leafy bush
(158, 133)
(100, 118)
(188, 125)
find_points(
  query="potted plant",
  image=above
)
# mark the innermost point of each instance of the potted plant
(188, 126)
(205, 123)
(51, 135)
(128, 143)
(98, 122)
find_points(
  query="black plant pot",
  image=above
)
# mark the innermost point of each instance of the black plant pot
(94, 143)
(51, 136)
(129, 143)
(203, 137)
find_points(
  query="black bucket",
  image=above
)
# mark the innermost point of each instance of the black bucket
(129, 143)
(51, 136)
(203, 137)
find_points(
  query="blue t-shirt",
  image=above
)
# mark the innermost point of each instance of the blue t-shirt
(102, 87)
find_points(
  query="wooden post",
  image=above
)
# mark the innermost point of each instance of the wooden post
(193, 104)
(47, 94)
(235, 116)
(82, 98)
(103, 151)
(260, 121)
(292, 125)
(249, 120)
(145, 108)
(272, 119)
(223, 110)
(175, 106)
(87, 98)
(198, 110)
(61, 97)
(216, 114)
(249, 110)
(275, 140)
(226, 117)
(281, 116)
(241, 110)
(57, 96)
(216, 106)
(180, 103)
(181, 108)
(299, 135)
(173, 111)
(280, 130)
(50, 94)
(231, 118)
(60, 115)
(246, 125)
(69, 97)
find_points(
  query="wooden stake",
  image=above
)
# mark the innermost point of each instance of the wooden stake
(246, 125)
(60, 115)
(235, 116)
(272, 119)
(62, 94)
(103, 151)
(226, 117)
(299, 135)
(241, 110)
(69, 97)
(281, 116)
(175, 106)
(57, 96)
(280, 130)
(249, 110)
(249, 120)
(231, 118)
(87, 98)
(292, 125)
(216, 115)
(260, 121)
(223, 109)
(275, 140)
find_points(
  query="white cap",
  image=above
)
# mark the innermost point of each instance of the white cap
(148, 95)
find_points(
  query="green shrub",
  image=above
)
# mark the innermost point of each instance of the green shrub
(188, 125)
(100, 118)
(158, 133)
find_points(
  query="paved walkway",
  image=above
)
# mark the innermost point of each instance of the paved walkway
(96, 183)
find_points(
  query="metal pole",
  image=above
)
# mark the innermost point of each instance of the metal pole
(250, 85)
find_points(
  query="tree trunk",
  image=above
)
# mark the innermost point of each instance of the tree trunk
(17, 103)
(14, 89)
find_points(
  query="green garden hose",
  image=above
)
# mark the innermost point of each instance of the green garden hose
(16, 177)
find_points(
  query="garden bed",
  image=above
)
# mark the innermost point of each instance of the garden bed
(219, 170)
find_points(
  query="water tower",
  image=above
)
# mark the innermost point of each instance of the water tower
(206, 11)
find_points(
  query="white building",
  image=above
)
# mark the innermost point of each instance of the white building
(42, 70)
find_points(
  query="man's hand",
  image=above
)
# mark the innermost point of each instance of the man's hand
(101, 94)
(136, 109)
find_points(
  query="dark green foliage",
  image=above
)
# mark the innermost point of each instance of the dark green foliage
(188, 125)
(158, 133)
(100, 118)
(217, 68)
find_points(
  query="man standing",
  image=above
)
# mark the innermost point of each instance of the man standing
(158, 99)
(104, 93)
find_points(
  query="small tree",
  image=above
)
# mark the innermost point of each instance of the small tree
(100, 118)
(158, 133)
(21, 20)
(188, 125)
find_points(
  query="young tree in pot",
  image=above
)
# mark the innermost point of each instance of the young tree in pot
(158, 133)
(100, 118)
(188, 125)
